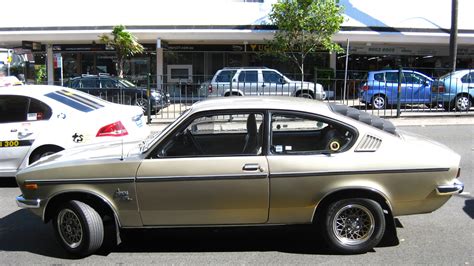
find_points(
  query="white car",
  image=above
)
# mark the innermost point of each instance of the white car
(36, 121)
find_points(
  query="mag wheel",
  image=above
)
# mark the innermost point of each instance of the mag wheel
(354, 225)
(462, 103)
(379, 102)
(79, 228)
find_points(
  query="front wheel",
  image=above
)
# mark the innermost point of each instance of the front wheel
(79, 228)
(379, 102)
(354, 226)
(43, 152)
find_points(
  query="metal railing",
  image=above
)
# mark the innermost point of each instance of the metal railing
(378, 93)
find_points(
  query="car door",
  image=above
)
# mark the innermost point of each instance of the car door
(110, 88)
(391, 88)
(419, 86)
(248, 82)
(208, 171)
(274, 84)
(305, 152)
(21, 121)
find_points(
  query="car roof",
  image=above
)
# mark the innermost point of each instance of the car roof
(31, 90)
(261, 102)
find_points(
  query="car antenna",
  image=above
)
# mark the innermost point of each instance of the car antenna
(121, 156)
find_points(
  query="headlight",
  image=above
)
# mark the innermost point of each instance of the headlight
(155, 94)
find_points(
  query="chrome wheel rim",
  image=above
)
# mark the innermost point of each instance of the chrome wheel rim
(462, 103)
(379, 102)
(70, 228)
(353, 224)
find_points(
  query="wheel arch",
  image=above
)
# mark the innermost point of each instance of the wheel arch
(368, 193)
(103, 206)
(301, 91)
(233, 92)
(42, 148)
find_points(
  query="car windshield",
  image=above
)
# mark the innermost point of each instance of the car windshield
(151, 140)
(126, 83)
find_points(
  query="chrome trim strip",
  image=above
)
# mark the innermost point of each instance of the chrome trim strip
(81, 180)
(456, 188)
(363, 172)
(25, 203)
(201, 178)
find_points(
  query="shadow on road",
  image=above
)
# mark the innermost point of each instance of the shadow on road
(24, 231)
(469, 208)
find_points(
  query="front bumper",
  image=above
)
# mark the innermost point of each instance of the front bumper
(455, 188)
(26, 203)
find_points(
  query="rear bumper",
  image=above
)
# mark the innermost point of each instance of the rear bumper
(26, 203)
(455, 188)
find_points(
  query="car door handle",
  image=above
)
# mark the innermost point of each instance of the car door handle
(13, 130)
(252, 167)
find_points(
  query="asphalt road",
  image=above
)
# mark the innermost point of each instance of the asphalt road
(445, 236)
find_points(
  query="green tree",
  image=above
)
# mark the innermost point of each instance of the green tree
(304, 26)
(124, 43)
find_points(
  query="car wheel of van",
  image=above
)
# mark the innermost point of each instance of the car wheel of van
(78, 228)
(306, 95)
(43, 152)
(462, 103)
(354, 226)
(379, 102)
(142, 103)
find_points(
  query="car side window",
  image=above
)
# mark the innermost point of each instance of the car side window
(250, 76)
(379, 77)
(90, 83)
(216, 135)
(108, 83)
(38, 111)
(225, 76)
(13, 108)
(391, 77)
(272, 77)
(469, 78)
(298, 134)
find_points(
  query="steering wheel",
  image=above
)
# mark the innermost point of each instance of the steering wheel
(190, 140)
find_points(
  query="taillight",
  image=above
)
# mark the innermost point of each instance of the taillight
(439, 88)
(365, 87)
(114, 130)
(209, 88)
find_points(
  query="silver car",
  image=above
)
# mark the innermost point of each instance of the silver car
(253, 81)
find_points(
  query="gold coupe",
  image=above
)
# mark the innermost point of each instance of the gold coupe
(240, 161)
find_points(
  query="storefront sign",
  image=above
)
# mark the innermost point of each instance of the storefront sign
(32, 46)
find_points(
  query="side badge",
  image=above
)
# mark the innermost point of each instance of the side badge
(122, 195)
(61, 116)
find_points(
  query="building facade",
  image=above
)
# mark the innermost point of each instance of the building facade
(188, 41)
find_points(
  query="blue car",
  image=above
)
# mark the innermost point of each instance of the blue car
(380, 89)
(454, 90)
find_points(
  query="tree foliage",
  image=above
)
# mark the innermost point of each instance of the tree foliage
(124, 43)
(304, 26)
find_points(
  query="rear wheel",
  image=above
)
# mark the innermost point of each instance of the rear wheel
(79, 228)
(462, 102)
(306, 95)
(379, 102)
(354, 226)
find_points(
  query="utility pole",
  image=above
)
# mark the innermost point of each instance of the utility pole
(453, 37)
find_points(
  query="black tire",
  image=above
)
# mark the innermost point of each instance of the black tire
(42, 152)
(379, 102)
(78, 228)
(353, 226)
